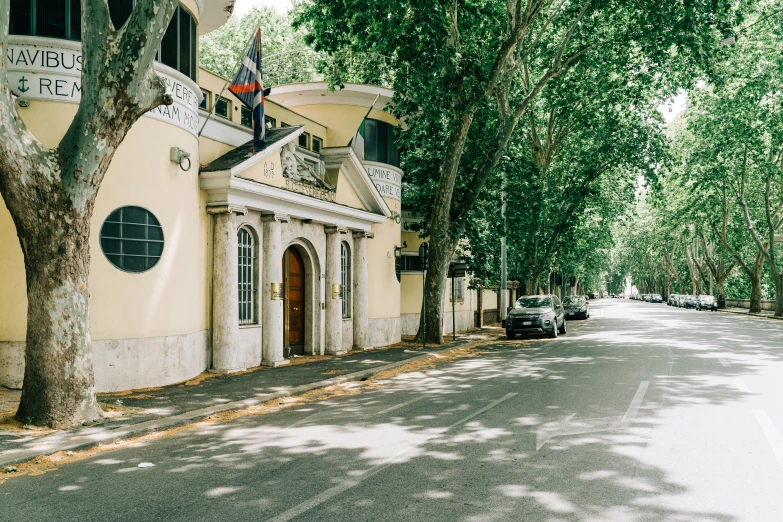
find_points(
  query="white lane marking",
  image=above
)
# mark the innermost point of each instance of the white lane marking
(773, 435)
(633, 408)
(347, 484)
(741, 386)
(324, 413)
(392, 408)
(567, 426)
(551, 429)
(724, 362)
(542, 375)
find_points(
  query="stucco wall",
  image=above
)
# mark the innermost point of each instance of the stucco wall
(169, 300)
(384, 296)
(214, 84)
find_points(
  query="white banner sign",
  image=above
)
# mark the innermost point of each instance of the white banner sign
(47, 73)
(388, 181)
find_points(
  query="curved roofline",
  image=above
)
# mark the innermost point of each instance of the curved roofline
(313, 93)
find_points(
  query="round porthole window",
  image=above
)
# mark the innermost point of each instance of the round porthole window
(132, 239)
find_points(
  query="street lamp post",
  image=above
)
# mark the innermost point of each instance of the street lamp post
(424, 254)
(503, 260)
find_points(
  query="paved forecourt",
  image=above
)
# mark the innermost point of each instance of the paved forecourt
(643, 412)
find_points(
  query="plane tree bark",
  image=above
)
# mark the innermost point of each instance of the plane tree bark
(50, 194)
(766, 239)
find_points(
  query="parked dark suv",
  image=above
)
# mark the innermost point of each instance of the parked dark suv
(536, 313)
(576, 307)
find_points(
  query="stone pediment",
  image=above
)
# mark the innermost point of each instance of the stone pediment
(296, 169)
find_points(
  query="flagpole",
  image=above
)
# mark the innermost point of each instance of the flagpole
(230, 78)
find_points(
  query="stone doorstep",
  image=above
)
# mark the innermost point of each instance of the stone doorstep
(76, 439)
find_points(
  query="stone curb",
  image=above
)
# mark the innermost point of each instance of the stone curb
(748, 314)
(79, 440)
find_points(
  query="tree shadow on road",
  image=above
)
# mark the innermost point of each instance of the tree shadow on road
(462, 441)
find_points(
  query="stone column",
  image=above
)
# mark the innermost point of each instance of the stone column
(272, 309)
(225, 299)
(480, 304)
(334, 305)
(361, 291)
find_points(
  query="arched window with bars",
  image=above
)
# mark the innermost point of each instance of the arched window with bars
(246, 276)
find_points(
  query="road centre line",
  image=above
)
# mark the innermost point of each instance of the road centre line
(741, 386)
(347, 484)
(724, 362)
(773, 435)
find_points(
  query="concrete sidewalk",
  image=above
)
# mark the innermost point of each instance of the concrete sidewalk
(744, 311)
(140, 412)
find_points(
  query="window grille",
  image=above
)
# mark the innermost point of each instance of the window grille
(246, 276)
(246, 117)
(345, 272)
(205, 101)
(410, 263)
(132, 239)
(459, 289)
(223, 107)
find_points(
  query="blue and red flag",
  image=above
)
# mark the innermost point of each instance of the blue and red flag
(248, 86)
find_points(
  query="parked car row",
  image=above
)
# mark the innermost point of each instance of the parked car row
(650, 298)
(698, 302)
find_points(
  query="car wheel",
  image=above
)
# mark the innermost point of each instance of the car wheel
(562, 330)
(511, 335)
(553, 331)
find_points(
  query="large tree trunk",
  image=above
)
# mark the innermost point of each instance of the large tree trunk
(755, 284)
(58, 354)
(442, 245)
(779, 296)
(50, 194)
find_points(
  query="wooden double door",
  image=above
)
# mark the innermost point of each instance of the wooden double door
(293, 301)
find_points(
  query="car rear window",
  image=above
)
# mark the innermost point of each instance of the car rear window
(538, 301)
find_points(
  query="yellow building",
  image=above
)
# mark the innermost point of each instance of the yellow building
(205, 255)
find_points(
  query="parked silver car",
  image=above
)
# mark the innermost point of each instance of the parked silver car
(536, 313)
(706, 302)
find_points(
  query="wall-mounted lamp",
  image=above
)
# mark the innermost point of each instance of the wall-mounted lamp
(181, 158)
(397, 252)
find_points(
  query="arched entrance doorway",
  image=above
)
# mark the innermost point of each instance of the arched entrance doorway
(293, 303)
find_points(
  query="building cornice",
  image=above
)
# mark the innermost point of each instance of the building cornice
(318, 93)
(345, 158)
(224, 189)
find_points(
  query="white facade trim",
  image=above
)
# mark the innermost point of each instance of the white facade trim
(346, 159)
(225, 131)
(293, 95)
(225, 189)
(50, 69)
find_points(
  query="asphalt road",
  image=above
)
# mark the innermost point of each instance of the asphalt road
(643, 412)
